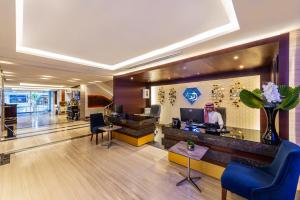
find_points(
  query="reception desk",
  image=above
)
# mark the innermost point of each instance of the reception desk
(236, 145)
(136, 130)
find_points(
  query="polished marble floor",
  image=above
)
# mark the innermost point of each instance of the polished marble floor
(38, 119)
(79, 169)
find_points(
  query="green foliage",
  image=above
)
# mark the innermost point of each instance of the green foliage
(251, 99)
(285, 90)
(255, 99)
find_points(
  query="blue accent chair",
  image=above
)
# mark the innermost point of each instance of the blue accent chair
(96, 121)
(276, 181)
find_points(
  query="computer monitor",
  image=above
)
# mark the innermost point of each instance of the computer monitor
(192, 114)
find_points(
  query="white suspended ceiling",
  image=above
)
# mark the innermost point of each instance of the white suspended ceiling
(116, 34)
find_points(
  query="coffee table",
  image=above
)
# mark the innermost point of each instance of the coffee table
(197, 154)
(109, 130)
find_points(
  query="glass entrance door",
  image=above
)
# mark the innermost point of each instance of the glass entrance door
(29, 101)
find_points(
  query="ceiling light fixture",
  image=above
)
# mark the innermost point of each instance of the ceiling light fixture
(9, 79)
(242, 66)
(44, 78)
(131, 78)
(235, 57)
(76, 79)
(231, 26)
(72, 81)
(9, 75)
(41, 85)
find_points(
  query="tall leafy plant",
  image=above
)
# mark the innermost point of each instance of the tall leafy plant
(280, 97)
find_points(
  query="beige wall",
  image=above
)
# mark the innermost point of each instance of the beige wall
(294, 80)
(93, 89)
(242, 117)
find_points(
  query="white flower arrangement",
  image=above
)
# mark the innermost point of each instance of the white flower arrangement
(271, 93)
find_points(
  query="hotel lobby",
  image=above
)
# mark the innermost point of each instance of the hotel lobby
(150, 99)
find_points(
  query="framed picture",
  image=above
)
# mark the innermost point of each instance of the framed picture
(146, 93)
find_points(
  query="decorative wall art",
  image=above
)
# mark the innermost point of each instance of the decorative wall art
(234, 94)
(217, 95)
(172, 96)
(191, 95)
(161, 95)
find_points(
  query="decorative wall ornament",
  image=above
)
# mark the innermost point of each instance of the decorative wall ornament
(217, 95)
(161, 95)
(234, 94)
(191, 95)
(172, 96)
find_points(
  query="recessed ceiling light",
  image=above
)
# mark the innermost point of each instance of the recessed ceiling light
(169, 78)
(184, 67)
(9, 79)
(47, 76)
(44, 78)
(235, 57)
(242, 66)
(131, 78)
(97, 81)
(6, 62)
(76, 79)
(72, 81)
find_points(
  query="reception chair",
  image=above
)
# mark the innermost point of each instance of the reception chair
(277, 181)
(96, 121)
(155, 111)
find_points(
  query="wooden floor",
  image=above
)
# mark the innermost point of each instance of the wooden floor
(77, 169)
(32, 137)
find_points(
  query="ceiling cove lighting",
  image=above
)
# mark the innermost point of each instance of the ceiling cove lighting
(41, 85)
(233, 25)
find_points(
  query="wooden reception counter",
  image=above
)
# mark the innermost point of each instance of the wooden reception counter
(235, 145)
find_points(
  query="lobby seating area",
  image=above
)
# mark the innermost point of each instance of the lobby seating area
(275, 181)
(149, 100)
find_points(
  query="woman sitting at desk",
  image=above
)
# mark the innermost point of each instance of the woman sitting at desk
(211, 116)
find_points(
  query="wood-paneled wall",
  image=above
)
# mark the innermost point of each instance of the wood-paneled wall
(128, 93)
(294, 80)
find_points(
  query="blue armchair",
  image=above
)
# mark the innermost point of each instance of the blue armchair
(276, 181)
(96, 121)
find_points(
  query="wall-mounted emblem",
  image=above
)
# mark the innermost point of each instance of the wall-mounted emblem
(191, 95)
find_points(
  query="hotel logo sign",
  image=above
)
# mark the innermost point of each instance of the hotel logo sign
(191, 95)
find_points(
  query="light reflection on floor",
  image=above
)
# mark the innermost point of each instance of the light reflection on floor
(36, 120)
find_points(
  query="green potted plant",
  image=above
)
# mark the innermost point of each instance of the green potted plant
(190, 145)
(271, 98)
